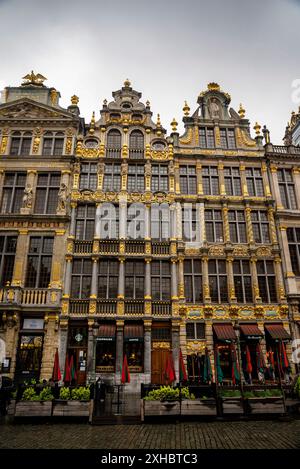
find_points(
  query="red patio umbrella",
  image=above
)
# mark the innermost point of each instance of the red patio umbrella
(67, 372)
(169, 369)
(125, 376)
(56, 375)
(249, 367)
(182, 370)
(285, 361)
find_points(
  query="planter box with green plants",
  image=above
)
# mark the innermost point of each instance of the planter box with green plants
(268, 401)
(72, 402)
(199, 406)
(33, 404)
(232, 402)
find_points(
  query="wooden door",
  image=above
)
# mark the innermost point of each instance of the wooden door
(158, 364)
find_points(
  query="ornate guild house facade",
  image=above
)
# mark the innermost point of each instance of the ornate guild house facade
(118, 239)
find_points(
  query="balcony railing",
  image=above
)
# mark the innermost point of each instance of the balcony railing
(135, 247)
(113, 152)
(34, 296)
(286, 150)
(79, 307)
(109, 247)
(107, 307)
(83, 247)
(135, 307)
(160, 249)
(136, 153)
(161, 308)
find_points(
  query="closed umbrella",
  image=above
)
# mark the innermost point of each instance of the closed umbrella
(56, 375)
(182, 370)
(219, 371)
(125, 375)
(272, 363)
(284, 358)
(207, 372)
(249, 367)
(72, 369)
(235, 374)
(169, 371)
(67, 372)
(260, 364)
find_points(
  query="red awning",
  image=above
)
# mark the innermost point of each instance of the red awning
(224, 331)
(133, 331)
(107, 330)
(251, 330)
(277, 331)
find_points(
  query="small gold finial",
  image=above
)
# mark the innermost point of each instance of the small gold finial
(242, 111)
(127, 83)
(92, 124)
(74, 100)
(213, 86)
(158, 123)
(186, 108)
(174, 125)
(257, 128)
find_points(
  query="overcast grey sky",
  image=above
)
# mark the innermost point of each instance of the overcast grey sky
(169, 50)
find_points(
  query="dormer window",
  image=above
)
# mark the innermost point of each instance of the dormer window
(20, 143)
(53, 143)
(158, 146)
(115, 116)
(126, 106)
(91, 143)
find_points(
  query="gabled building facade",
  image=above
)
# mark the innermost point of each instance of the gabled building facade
(117, 239)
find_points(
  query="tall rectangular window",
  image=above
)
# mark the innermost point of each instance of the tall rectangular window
(88, 176)
(237, 226)
(160, 280)
(195, 330)
(206, 137)
(20, 144)
(13, 192)
(109, 221)
(242, 281)
(293, 235)
(190, 224)
(188, 179)
(227, 138)
(210, 180)
(260, 226)
(39, 261)
(266, 281)
(8, 245)
(232, 181)
(214, 226)
(217, 277)
(134, 279)
(160, 222)
(108, 278)
(136, 221)
(85, 222)
(47, 188)
(135, 178)
(81, 278)
(112, 177)
(159, 178)
(287, 189)
(193, 280)
(255, 183)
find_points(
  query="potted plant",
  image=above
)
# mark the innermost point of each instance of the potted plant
(232, 402)
(163, 401)
(72, 403)
(269, 401)
(33, 404)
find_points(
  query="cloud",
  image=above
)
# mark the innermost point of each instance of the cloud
(170, 50)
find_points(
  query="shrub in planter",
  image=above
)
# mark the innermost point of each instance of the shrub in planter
(231, 393)
(65, 393)
(297, 387)
(81, 394)
(46, 394)
(30, 395)
(167, 393)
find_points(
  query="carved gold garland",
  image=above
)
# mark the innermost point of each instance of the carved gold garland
(186, 140)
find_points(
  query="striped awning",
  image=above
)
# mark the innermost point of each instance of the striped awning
(277, 331)
(107, 331)
(224, 332)
(251, 330)
(133, 331)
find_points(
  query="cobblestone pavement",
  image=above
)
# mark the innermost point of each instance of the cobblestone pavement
(189, 435)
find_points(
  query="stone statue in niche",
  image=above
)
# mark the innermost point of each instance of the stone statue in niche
(171, 168)
(148, 169)
(62, 197)
(28, 196)
(214, 109)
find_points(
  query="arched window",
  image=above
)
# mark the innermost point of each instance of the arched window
(20, 143)
(53, 143)
(113, 144)
(136, 144)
